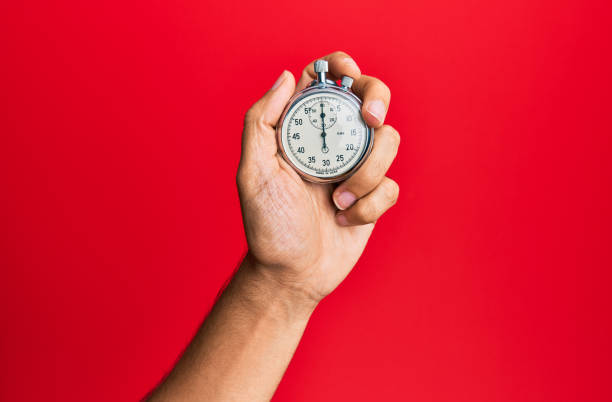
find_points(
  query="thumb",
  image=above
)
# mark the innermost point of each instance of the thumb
(269, 108)
(258, 137)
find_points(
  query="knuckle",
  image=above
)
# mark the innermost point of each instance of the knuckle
(251, 115)
(396, 137)
(308, 71)
(338, 53)
(386, 90)
(392, 134)
(380, 86)
(366, 212)
(391, 191)
(371, 175)
(254, 116)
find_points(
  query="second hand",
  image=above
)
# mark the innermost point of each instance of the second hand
(323, 134)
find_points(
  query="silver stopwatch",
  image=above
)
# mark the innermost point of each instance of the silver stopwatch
(321, 132)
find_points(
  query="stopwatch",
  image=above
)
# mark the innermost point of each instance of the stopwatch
(321, 132)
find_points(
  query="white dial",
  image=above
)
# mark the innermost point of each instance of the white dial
(324, 135)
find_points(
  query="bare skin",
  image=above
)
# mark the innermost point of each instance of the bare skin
(303, 239)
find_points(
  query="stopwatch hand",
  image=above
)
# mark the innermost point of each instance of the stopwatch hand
(323, 134)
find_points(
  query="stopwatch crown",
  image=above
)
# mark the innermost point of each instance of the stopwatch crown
(320, 66)
(346, 81)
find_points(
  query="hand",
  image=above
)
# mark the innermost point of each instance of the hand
(303, 240)
(303, 236)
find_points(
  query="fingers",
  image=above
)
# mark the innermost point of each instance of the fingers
(369, 208)
(375, 96)
(374, 93)
(339, 64)
(368, 177)
(258, 138)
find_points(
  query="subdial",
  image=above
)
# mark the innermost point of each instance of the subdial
(322, 114)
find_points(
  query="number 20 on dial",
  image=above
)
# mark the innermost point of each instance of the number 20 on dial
(321, 133)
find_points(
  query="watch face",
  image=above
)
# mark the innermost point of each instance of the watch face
(324, 135)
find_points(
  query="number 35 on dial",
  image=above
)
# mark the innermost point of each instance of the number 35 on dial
(322, 134)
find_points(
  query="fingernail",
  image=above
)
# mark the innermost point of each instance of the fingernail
(344, 200)
(342, 221)
(377, 109)
(279, 81)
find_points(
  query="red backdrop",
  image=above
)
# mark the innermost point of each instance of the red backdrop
(120, 137)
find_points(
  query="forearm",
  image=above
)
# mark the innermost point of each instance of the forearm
(245, 344)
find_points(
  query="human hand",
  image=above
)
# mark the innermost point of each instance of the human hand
(303, 238)
(307, 237)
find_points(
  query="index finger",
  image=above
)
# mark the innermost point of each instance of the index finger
(375, 96)
(339, 64)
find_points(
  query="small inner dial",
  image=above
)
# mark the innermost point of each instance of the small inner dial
(322, 114)
(324, 146)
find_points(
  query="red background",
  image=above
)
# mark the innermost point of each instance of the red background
(120, 138)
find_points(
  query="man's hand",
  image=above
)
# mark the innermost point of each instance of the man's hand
(307, 236)
(301, 245)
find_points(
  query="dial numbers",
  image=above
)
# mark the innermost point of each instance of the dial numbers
(324, 135)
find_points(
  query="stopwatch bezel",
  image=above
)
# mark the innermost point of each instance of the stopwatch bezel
(309, 91)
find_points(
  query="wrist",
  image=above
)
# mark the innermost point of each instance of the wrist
(267, 294)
